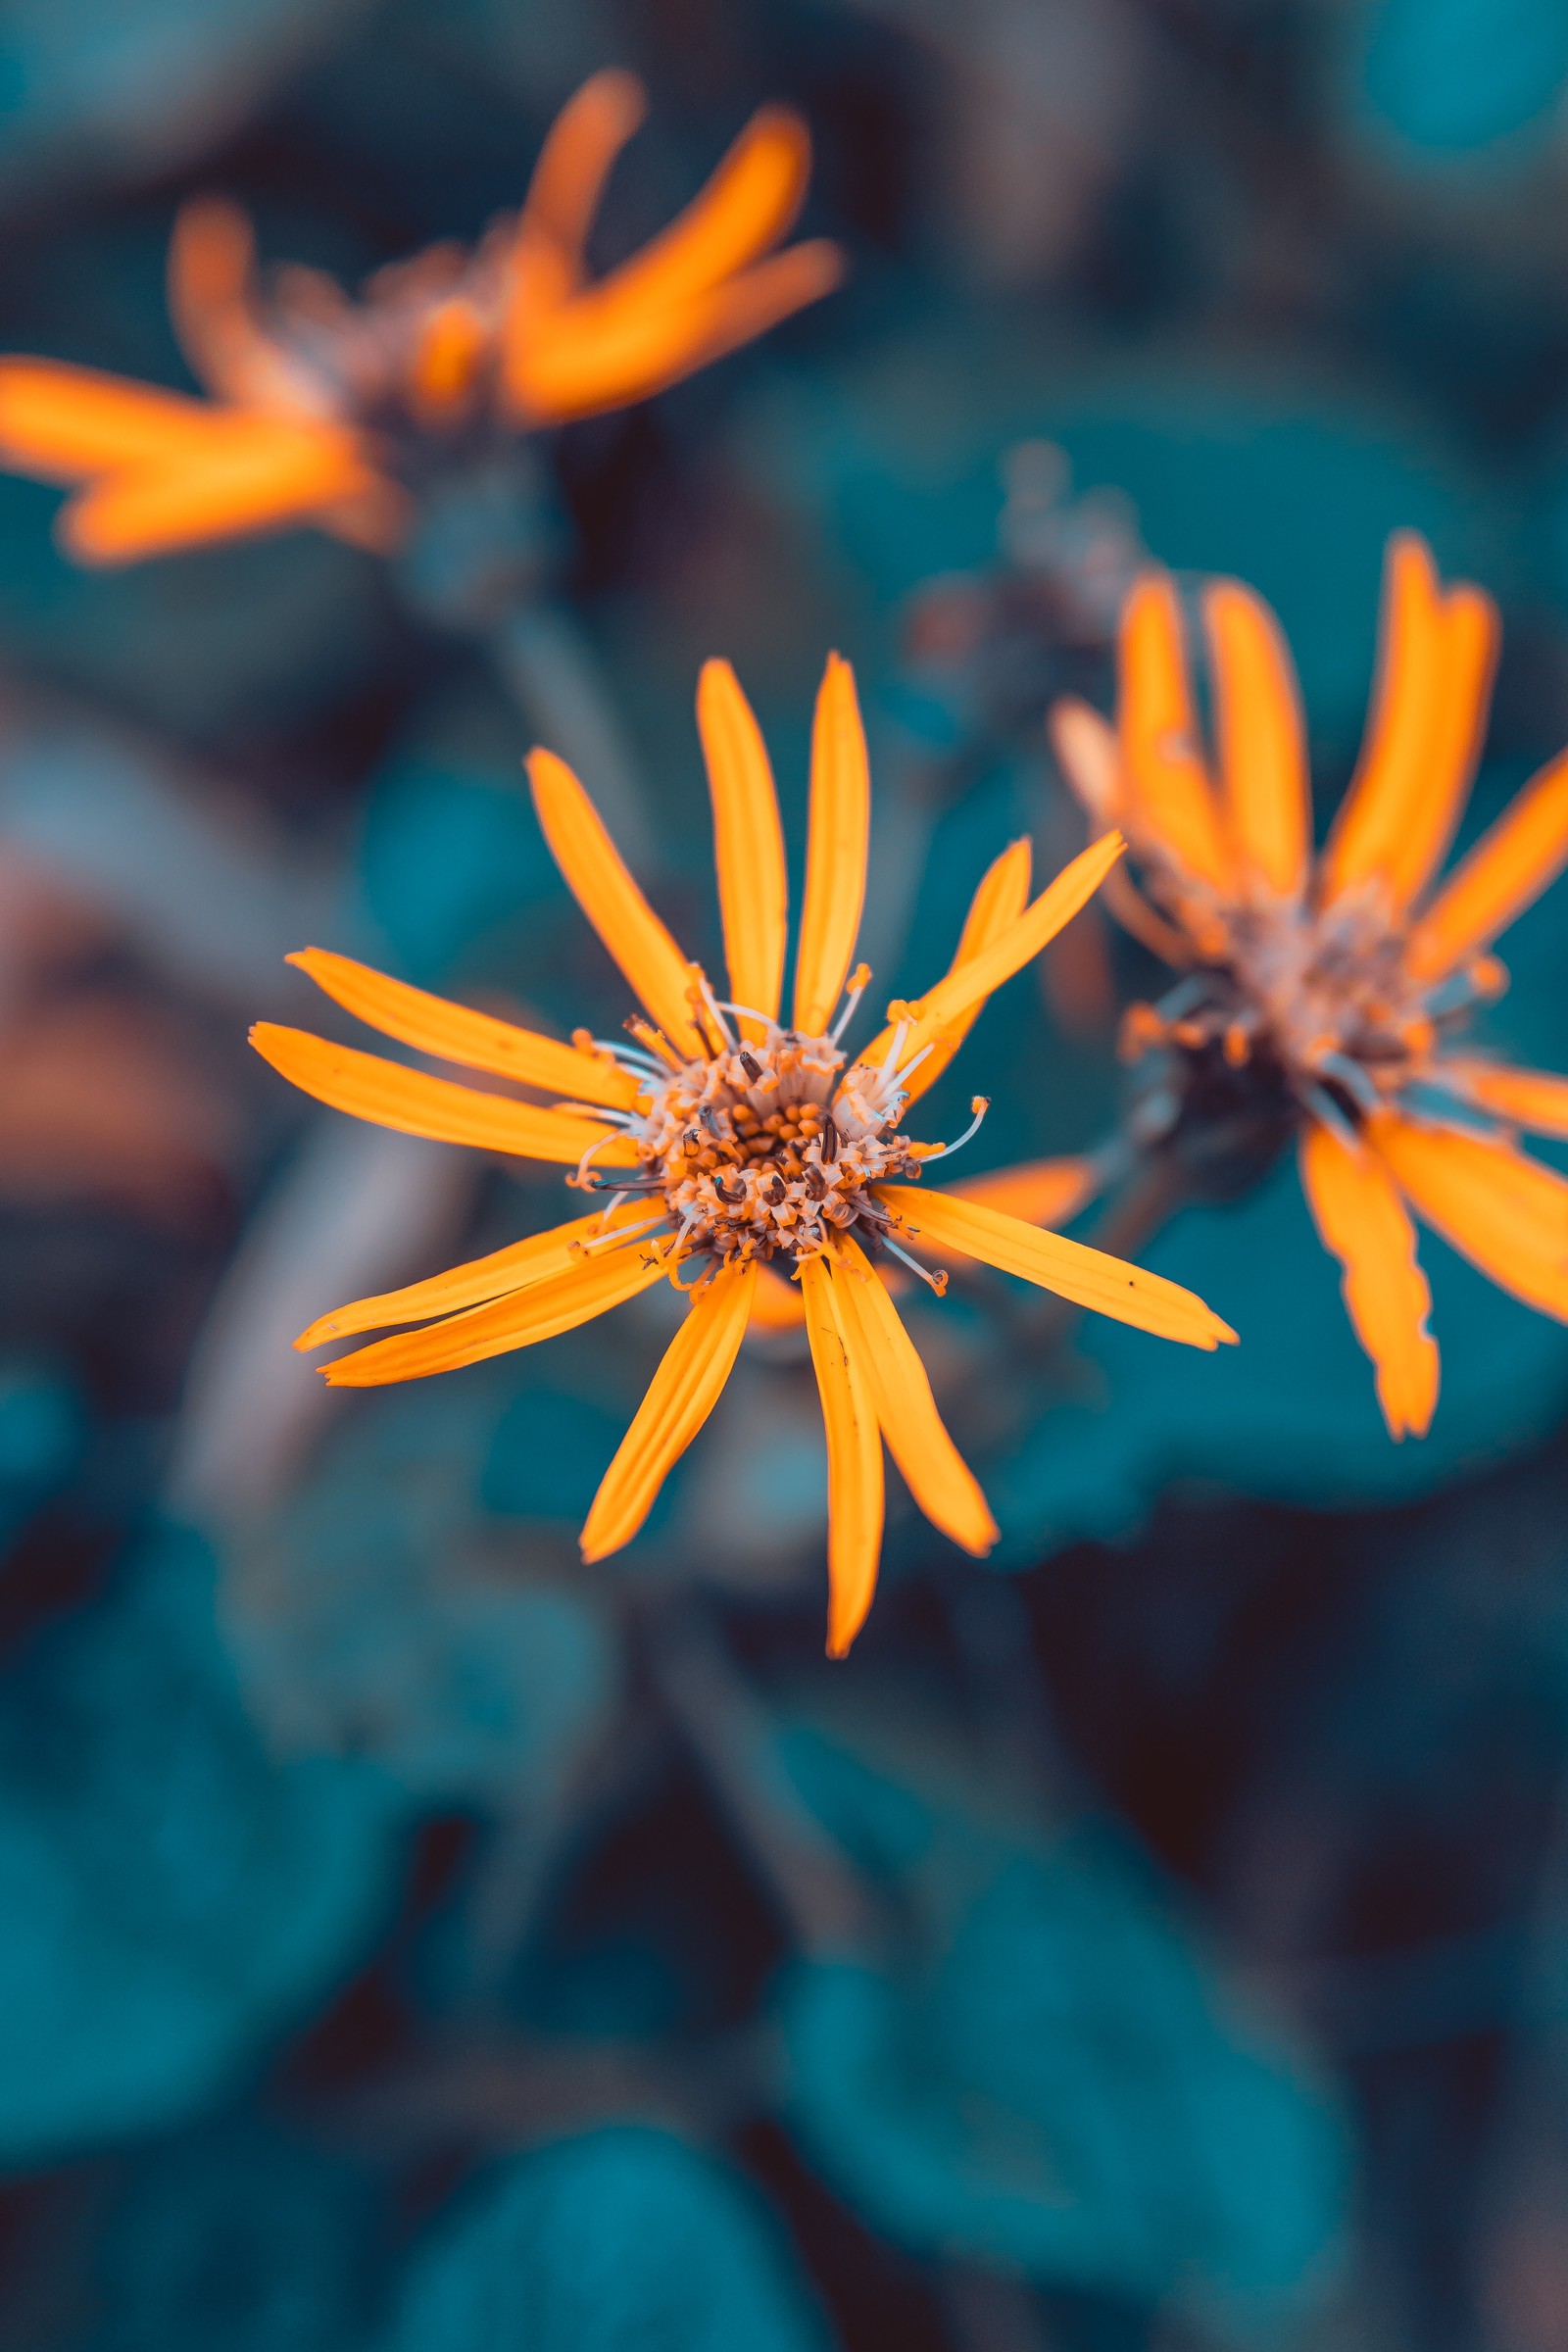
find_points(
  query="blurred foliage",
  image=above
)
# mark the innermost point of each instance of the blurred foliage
(411, 1938)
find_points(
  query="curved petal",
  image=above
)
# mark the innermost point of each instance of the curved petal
(968, 984)
(244, 470)
(482, 1278)
(212, 259)
(433, 1025)
(586, 361)
(62, 424)
(934, 1472)
(1505, 1213)
(997, 903)
(1088, 1277)
(854, 1489)
(389, 1095)
(1262, 752)
(520, 1320)
(835, 849)
(1507, 871)
(602, 887)
(776, 1304)
(1537, 1099)
(575, 161)
(1090, 757)
(748, 842)
(1429, 712)
(680, 1396)
(1169, 800)
(1362, 1221)
(1041, 1192)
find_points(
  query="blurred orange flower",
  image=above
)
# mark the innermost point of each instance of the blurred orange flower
(730, 1144)
(314, 398)
(1337, 981)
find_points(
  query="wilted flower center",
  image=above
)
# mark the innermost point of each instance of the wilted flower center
(765, 1148)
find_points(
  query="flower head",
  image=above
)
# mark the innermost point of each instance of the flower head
(1326, 997)
(326, 410)
(730, 1148)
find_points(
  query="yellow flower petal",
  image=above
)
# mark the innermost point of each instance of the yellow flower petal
(211, 258)
(457, 1033)
(748, 842)
(934, 1472)
(1090, 757)
(602, 887)
(1041, 1192)
(1433, 685)
(682, 1394)
(1088, 1277)
(1505, 1213)
(1361, 1220)
(1169, 800)
(979, 976)
(61, 422)
(835, 849)
(996, 904)
(242, 471)
(391, 1096)
(854, 1489)
(575, 161)
(1507, 871)
(1534, 1099)
(513, 1268)
(776, 1303)
(1259, 723)
(519, 1320)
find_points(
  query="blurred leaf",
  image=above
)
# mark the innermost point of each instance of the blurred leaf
(380, 1614)
(1053, 2077)
(236, 2238)
(1454, 74)
(124, 89)
(624, 2240)
(169, 1897)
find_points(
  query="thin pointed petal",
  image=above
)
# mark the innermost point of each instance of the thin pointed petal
(244, 472)
(389, 1095)
(575, 161)
(854, 1489)
(520, 1319)
(482, 1278)
(968, 984)
(1429, 713)
(747, 842)
(1041, 1192)
(62, 424)
(1505, 1213)
(682, 1394)
(1169, 799)
(1537, 1099)
(1363, 1222)
(934, 1472)
(477, 1039)
(1507, 871)
(1088, 1277)
(1261, 747)
(212, 259)
(602, 887)
(996, 904)
(835, 851)
(1090, 757)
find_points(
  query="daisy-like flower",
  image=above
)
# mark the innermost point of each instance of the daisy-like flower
(733, 1148)
(1327, 995)
(328, 412)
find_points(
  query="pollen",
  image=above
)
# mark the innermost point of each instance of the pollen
(762, 1150)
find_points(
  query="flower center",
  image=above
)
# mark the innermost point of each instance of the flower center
(764, 1150)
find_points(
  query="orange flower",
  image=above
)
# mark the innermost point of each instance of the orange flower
(731, 1145)
(316, 402)
(1336, 986)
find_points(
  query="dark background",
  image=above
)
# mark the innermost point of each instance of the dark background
(1155, 1938)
